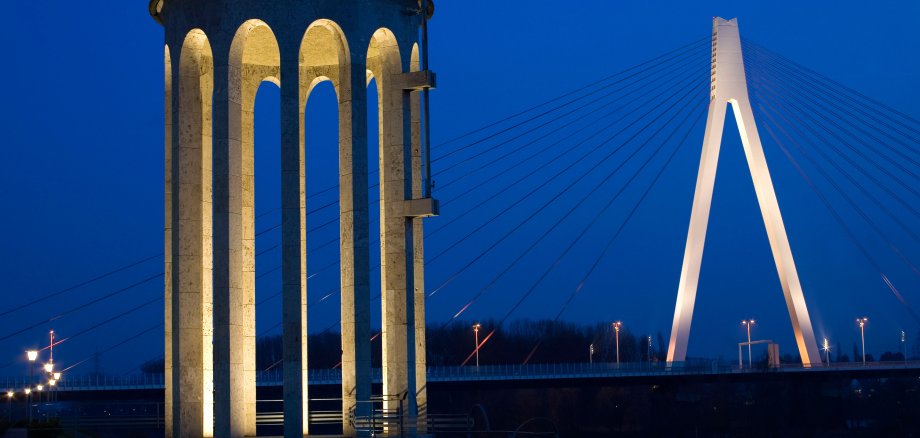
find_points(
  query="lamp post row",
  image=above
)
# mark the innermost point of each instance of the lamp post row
(31, 387)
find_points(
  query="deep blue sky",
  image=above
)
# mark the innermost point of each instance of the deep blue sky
(82, 171)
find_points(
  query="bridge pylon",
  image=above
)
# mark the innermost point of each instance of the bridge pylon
(729, 86)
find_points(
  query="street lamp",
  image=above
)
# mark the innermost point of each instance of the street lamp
(862, 332)
(616, 329)
(28, 392)
(476, 328)
(748, 323)
(49, 367)
(649, 353)
(9, 406)
(904, 344)
(591, 353)
(826, 346)
(32, 355)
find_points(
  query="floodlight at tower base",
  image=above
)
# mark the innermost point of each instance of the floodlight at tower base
(729, 86)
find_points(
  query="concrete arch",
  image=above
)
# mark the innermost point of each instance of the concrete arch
(325, 56)
(383, 57)
(192, 323)
(253, 58)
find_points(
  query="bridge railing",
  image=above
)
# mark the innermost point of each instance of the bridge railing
(472, 372)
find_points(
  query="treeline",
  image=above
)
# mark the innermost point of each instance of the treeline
(543, 341)
(533, 341)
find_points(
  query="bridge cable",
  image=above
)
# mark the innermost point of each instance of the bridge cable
(572, 244)
(814, 104)
(506, 142)
(667, 59)
(872, 261)
(545, 205)
(330, 265)
(547, 102)
(856, 184)
(117, 316)
(832, 84)
(680, 74)
(642, 75)
(80, 307)
(808, 85)
(856, 163)
(686, 98)
(623, 224)
(552, 160)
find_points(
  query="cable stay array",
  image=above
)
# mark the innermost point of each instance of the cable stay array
(568, 176)
(815, 128)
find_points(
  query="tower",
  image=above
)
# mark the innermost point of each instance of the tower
(729, 86)
(217, 54)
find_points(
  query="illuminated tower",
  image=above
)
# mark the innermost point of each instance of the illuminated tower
(729, 86)
(217, 54)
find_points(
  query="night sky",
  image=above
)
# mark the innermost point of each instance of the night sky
(82, 176)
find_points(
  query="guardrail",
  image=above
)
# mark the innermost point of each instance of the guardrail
(474, 373)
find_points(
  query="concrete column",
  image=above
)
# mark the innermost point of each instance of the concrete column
(234, 246)
(191, 314)
(227, 272)
(167, 243)
(248, 247)
(355, 249)
(418, 261)
(396, 250)
(293, 253)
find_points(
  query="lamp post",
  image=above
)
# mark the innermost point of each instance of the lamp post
(649, 353)
(826, 346)
(51, 348)
(32, 355)
(904, 344)
(616, 330)
(748, 323)
(862, 333)
(476, 328)
(28, 392)
(57, 377)
(591, 353)
(9, 406)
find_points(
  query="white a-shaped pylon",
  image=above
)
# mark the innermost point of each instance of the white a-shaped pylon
(729, 86)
